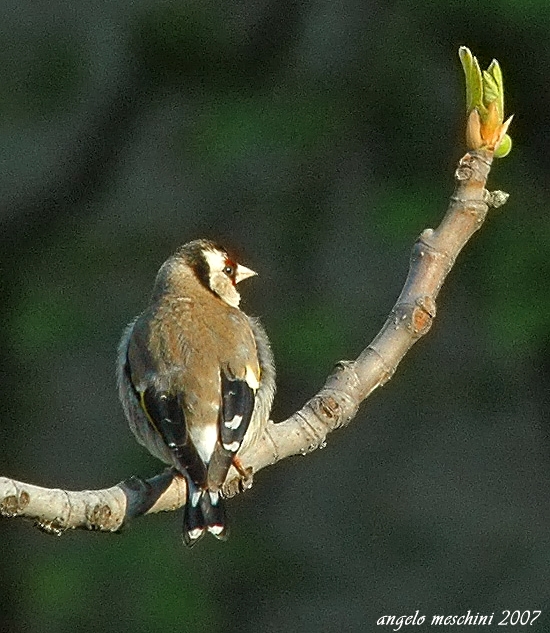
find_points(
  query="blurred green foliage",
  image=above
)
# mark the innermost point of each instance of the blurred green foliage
(44, 78)
(290, 124)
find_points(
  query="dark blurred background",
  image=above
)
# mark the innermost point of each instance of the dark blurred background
(318, 139)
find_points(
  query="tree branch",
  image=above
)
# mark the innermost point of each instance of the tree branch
(433, 255)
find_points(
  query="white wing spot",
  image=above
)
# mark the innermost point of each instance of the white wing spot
(195, 498)
(195, 533)
(215, 529)
(233, 447)
(234, 423)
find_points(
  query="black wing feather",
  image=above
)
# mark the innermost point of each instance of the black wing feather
(235, 415)
(237, 408)
(165, 412)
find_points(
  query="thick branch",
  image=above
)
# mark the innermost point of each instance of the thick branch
(432, 257)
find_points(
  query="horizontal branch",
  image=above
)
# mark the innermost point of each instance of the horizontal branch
(433, 255)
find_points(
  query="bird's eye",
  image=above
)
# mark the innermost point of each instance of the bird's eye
(229, 270)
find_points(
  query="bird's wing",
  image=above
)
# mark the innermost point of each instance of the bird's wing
(164, 411)
(238, 397)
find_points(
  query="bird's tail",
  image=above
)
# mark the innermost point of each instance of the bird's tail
(203, 512)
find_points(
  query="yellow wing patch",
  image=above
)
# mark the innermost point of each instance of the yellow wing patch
(251, 378)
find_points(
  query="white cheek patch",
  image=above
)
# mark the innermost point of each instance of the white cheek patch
(234, 423)
(225, 289)
(215, 260)
(218, 281)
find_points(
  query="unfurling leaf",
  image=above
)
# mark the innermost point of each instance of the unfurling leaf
(486, 128)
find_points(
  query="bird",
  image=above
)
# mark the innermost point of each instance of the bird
(196, 378)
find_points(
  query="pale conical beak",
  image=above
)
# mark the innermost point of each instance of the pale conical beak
(243, 273)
